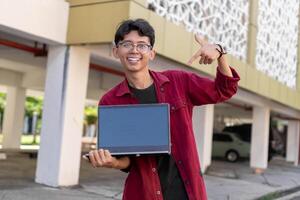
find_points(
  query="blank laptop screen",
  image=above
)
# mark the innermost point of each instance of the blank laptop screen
(134, 129)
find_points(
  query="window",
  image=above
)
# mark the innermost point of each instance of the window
(222, 138)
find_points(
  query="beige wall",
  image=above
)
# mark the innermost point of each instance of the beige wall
(94, 21)
(44, 21)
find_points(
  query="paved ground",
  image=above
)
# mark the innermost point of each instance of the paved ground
(225, 181)
(294, 196)
(237, 181)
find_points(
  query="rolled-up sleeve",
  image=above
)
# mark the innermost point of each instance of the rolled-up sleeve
(202, 90)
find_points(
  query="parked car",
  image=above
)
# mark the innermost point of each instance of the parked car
(243, 131)
(230, 146)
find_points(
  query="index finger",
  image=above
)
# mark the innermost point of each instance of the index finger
(200, 39)
(194, 57)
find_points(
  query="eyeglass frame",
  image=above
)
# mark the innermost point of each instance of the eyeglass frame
(135, 45)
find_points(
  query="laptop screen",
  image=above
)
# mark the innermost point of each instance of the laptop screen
(134, 129)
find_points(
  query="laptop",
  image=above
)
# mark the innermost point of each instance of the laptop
(134, 129)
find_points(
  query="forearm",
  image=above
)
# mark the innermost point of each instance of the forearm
(223, 66)
(122, 163)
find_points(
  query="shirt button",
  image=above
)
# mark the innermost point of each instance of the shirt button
(158, 192)
(179, 162)
(187, 182)
(153, 169)
(173, 107)
(162, 89)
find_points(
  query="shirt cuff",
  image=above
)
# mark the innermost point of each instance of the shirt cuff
(227, 81)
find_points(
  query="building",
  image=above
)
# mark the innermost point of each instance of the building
(63, 49)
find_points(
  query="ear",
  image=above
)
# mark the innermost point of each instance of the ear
(152, 54)
(115, 52)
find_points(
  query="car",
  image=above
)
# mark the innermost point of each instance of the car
(243, 131)
(230, 146)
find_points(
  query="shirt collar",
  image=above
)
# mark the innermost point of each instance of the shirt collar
(158, 78)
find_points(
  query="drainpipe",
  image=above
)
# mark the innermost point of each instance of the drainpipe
(35, 50)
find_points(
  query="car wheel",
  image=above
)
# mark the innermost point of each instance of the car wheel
(232, 156)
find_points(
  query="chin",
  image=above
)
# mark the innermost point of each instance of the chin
(134, 68)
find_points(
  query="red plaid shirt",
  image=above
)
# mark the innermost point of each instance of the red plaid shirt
(182, 90)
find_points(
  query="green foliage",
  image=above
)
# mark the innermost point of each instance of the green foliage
(34, 105)
(2, 102)
(90, 115)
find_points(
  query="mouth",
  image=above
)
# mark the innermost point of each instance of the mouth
(133, 59)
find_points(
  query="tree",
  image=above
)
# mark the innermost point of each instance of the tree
(90, 120)
(2, 102)
(2, 107)
(34, 108)
(90, 115)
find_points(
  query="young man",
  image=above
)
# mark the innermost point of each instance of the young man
(176, 176)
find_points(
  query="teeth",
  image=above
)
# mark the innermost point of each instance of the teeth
(133, 59)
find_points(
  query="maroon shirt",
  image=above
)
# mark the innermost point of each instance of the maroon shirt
(182, 90)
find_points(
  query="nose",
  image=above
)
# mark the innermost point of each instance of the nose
(134, 49)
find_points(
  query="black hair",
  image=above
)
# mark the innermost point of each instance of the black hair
(140, 25)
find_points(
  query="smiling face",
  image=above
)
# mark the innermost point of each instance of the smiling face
(132, 59)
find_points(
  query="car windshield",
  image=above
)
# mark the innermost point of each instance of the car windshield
(238, 136)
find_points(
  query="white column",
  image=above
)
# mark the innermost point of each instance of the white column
(65, 91)
(203, 118)
(297, 156)
(13, 118)
(260, 138)
(291, 147)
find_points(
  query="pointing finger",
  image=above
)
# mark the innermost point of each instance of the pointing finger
(200, 39)
(194, 57)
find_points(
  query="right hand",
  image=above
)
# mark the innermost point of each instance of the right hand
(103, 158)
(207, 52)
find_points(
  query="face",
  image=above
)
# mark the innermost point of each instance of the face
(134, 59)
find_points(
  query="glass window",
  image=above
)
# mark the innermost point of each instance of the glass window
(222, 138)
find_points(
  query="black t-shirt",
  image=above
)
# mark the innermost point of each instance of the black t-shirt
(170, 179)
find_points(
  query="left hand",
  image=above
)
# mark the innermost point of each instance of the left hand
(207, 52)
(102, 158)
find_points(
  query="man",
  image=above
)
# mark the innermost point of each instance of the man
(176, 176)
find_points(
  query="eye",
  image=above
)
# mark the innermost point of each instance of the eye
(127, 45)
(142, 46)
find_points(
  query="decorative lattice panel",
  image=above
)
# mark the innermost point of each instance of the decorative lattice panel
(277, 39)
(222, 21)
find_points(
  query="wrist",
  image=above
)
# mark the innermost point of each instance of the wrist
(115, 163)
(221, 50)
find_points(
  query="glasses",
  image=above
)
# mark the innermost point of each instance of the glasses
(140, 47)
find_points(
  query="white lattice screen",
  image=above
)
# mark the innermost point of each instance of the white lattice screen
(222, 21)
(277, 39)
(226, 22)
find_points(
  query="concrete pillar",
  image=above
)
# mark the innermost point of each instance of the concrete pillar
(13, 117)
(203, 118)
(292, 141)
(260, 139)
(297, 160)
(65, 91)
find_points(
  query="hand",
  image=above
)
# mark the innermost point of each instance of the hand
(102, 158)
(207, 52)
